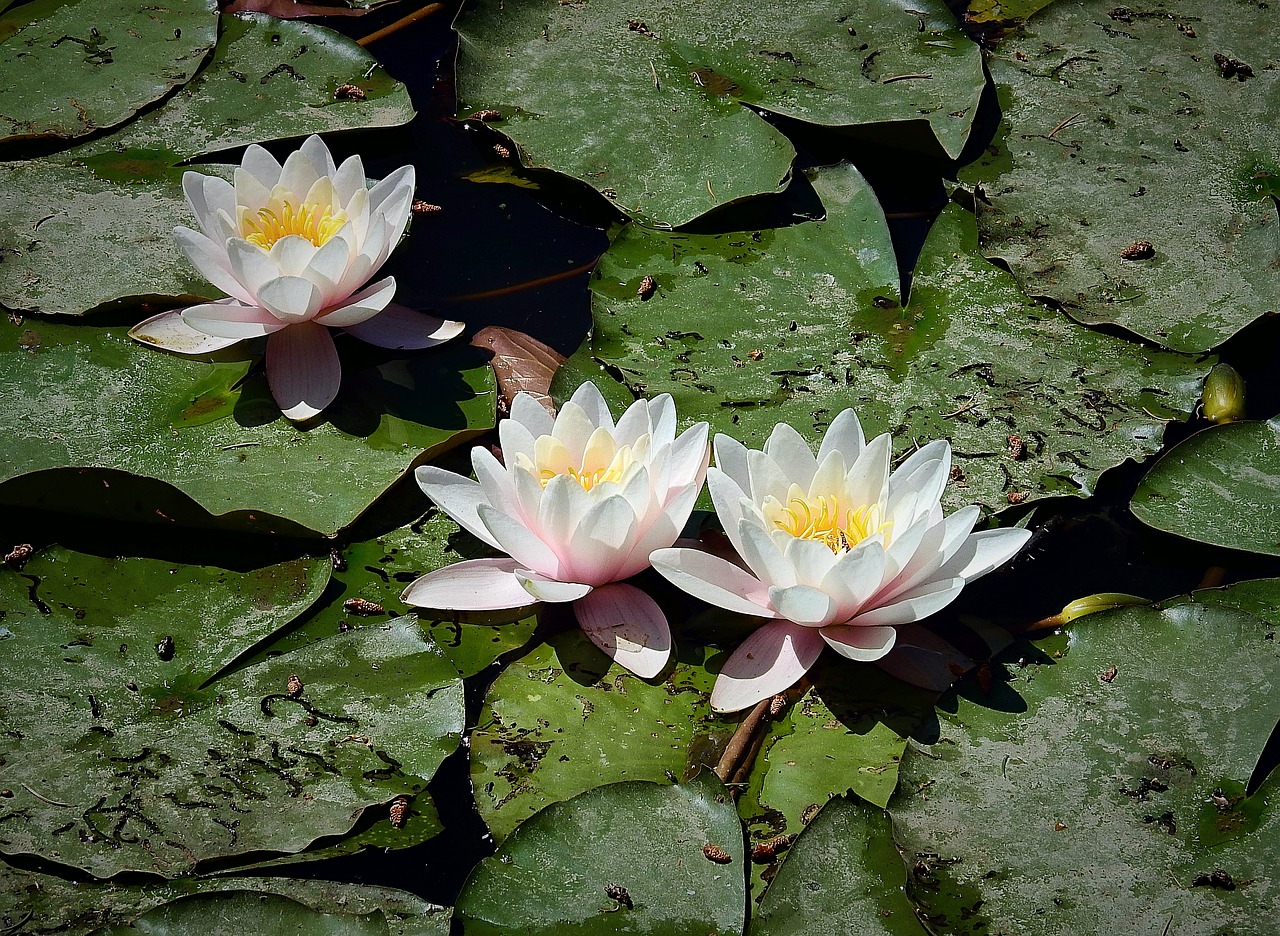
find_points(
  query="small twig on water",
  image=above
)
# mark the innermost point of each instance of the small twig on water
(429, 10)
(1049, 135)
(894, 78)
(51, 802)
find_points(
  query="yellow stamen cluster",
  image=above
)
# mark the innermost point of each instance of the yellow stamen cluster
(615, 471)
(317, 223)
(821, 518)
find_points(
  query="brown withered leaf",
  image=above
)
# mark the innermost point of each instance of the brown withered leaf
(521, 363)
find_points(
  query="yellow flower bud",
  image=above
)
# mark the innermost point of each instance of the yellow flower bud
(1104, 601)
(1223, 395)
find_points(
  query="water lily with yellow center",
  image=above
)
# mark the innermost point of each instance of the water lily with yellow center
(291, 246)
(578, 506)
(838, 551)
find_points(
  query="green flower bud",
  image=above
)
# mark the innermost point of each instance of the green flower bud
(1223, 395)
(1091, 604)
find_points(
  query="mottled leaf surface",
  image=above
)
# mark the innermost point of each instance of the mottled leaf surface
(550, 877)
(1220, 486)
(1121, 129)
(1105, 777)
(644, 102)
(85, 397)
(74, 67)
(92, 225)
(795, 324)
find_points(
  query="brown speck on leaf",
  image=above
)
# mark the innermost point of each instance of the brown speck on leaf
(361, 606)
(421, 207)
(502, 151)
(294, 686)
(957, 476)
(1138, 250)
(1017, 497)
(15, 318)
(165, 648)
(756, 354)
(776, 705)
(1059, 827)
(619, 893)
(487, 116)
(349, 92)
(15, 557)
(648, 286)
(1217, 878)
(765, 852)
(1186, 30)
(609, 193)
(1231, 68)
(1017, 448)
(717, 854)
(810, 811)
(399, 811)
(1110, 674)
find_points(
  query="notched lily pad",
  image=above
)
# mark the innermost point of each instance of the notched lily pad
(74, 67)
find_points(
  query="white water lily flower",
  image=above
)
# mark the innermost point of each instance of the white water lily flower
(291, 246)
(838, 551)
(578, 507)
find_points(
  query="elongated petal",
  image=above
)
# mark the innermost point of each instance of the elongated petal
(562, 505)
(299, 174)
(731, 458)
(628, 626)
(494, 479)
(231, 320)
(329, 264)
(211, 261)
(349, 179)
(528, 412)
(314, 149)
(395, 184)
(915, 605)
(792, 454)
(854, 578)
(521, 543)
(403, 329)
(728, 498)
(249, 192)
(690, 455)
(303, 370)
(762, 556)
(633, 423)
(573, 427)
(602, 541)
(868, 478)
(290, 298)
(858, 642)
(767, 478)
(361, 306)
(251, 265)
(713, 580)
(924, 474)
(550, 590)
(844, 435)
(261, 165)
(989, 549)
(769, 661)
(803, 604)
(473, 585)
(292, 254)
(457, 496)
(168, 331)
(662, 416)
(810, 559)
(588, 396)
(829, 477)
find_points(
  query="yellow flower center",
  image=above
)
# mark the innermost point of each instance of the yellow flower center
(603, 460)
(823, 519)
(614, 471)
(317, 223)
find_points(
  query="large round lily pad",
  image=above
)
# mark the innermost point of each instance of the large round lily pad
(83, 397)
(797, 323)
(1221, 486)
(124, 753)
(567, 869)
(93, 225)
(1132, 178)
(74, 67)
(1106, 780)
(645, 101)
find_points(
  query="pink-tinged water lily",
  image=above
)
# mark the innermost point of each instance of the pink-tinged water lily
(838, 551)
(292, 246)
(578, 507)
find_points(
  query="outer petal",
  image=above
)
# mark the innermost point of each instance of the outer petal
(211, 261)
(854, 578)
(762, 555)
(521, 543)
(602, 541)
(457, 496)
(551, 590)
(403, 329)
(261, 165)
(731, 458)
(859, 642)
(291, 299)
(361, 306)
(714, 580)
(473, 585)
(868, 477)
(844, 435)
(803, 604)
(914, 605)
(528, 412)
(792, 453)
(231, 320)
(988, 549)
(168, 331)
(628, 626)
(303, 369)
(349, 179)
(770, 661)
(588, 396)
(728, 497)
(314, 149)
(690, 456)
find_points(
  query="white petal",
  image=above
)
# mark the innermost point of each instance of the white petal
(528, 412)
(771, 660)
(562, 505)
(662, 416)
(602, 540)
(844, 435)
(457, 496)
(989, 549)
(521, 543)
(628, 626)
(314, 149)
(349, 179)
(329, 264)
(292, 254)
(168, 331)
(250, 264)
(250, 192)
(792, 453)
(394, 185)
(860, 642)
(731, 458)
(690, 455)
(854, 578)
(473, 585)
(767, 478)
(829, 477)
(728, 499)
(915, 605)
(515, 440)
(403, 329)
(261, 165)
(494, 480)
(811, 559)
(573, 427)
(634, 423)
(211, 260)
(662, 532)
(231, 320)
(925, 473)
(868, 478)
(588, 396)
(303, 370)
(803, 604)
(291, 298)
(551, 590)
(299, 174)
(714, 580)
(361, 306)
(762, 556)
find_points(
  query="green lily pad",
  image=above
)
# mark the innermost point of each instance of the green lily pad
(797, 323)
(644, 102)
(90, 398)
(33, 903)
(1220, 486)
(74, 67)
(644, 840)
(1130, 181)
(124, 753)
(1106, 780)
(842, 875)
(94, 225)
(559, 721)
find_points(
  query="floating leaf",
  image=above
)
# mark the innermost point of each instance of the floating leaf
(75, 67)
(1134, 191)
(797, 323)
(644, 101)
(1106, 777)
(1220, 486)
(123, 755)
(94, 224)
(83, 397)
(566, 869)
